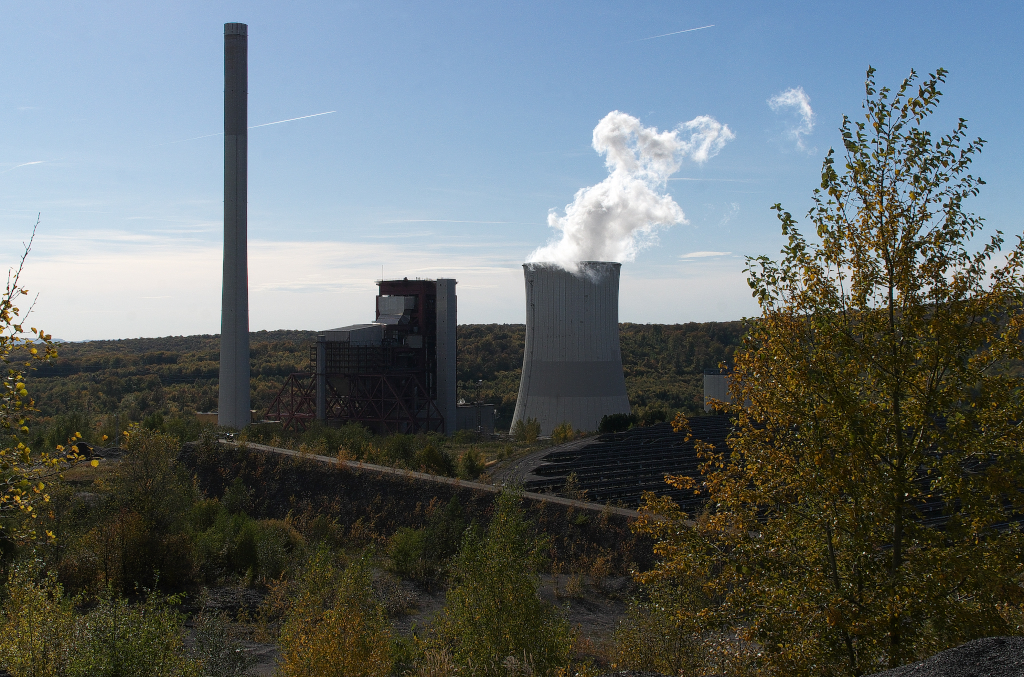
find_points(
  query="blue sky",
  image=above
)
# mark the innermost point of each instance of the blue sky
(458, 126)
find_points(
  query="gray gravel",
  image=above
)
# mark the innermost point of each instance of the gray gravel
(989, 657)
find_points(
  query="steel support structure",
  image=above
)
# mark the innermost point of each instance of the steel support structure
(384, 403)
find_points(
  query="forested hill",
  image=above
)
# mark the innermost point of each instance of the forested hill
(136, 378)
(664, 364)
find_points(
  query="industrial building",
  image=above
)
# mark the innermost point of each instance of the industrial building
(572, 366)
(393, 375)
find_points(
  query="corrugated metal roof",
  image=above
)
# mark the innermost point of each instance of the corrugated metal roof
(357, 334)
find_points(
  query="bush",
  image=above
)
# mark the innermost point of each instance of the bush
(421, 554)
(616, 423)
(42, 637)
(354, 440)
(335, 627)
(465, 436)
(215, 650)
(471, 464)
(492, 611)
(63, 427)
(563, 433)
(433, 460)
(39, 635)
(651, 415)
(650, 639)
(405, 553)
(144, 640)
(526, 431)
(258, 550)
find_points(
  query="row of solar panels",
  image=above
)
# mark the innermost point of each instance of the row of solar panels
(619, 467)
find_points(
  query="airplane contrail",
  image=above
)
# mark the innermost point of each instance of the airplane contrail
(665, 35)
(265, 124)
(23, 164)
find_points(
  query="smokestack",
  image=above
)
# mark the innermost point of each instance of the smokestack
(234, 325)
(572, 367)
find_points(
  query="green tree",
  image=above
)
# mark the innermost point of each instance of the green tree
(864, 515)
(493, 614)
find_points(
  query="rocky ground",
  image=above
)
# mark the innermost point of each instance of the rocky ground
(988, 657)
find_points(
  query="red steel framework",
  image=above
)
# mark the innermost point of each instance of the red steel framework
(389, 388)
(385, 403)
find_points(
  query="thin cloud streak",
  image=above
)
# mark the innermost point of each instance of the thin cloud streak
(265, 124)
(685, 178)
(440, 221)
(314, 115)
(665, 35)
(703, 255)
(24, 164)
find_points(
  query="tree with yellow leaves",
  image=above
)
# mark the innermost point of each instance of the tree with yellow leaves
(866, 513)
(22, 470)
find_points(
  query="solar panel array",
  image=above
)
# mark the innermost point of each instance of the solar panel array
(619, 467)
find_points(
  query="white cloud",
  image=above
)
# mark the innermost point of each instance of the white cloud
(796, 97)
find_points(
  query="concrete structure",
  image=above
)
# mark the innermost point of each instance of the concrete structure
(233, 405)
(447, 320)
(478, 416)
(395, 374)
(716, 387)
(572, 367)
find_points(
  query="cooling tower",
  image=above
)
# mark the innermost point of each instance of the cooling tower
(233, 391)
(572, 367)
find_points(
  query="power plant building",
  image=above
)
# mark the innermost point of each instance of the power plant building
(572, 365)
(395, 374)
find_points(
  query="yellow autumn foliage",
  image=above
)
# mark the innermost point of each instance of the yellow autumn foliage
(335, 627)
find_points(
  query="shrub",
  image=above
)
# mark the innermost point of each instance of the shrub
(335, 627)
(143, 640)
(492, 610)
(258, 550)
(563, 433)
(650, 639)
(421, 554)
(63, 427)
(444, 532)
(433, 460)
(465, 436)
(616, 423)
(471, 464)
(216, 651)
(526, 430)
(405, 553)
(42, 637)
(38, 637)
(354, 439)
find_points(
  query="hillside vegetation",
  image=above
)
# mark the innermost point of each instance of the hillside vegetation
(104, 385)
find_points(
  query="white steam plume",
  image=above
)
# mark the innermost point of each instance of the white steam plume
(618, 217)
(796, 97)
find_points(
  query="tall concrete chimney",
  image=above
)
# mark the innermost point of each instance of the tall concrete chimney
(233, 404)
(572, 367)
